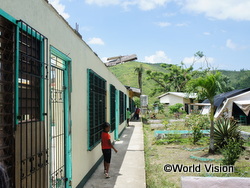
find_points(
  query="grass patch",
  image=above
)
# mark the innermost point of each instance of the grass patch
(173, 140)
(245, 128)
(247, 144)
(177, 150)
(153, 180)
(178, 139)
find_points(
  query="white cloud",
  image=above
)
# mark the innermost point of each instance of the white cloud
(127, 4)
(163, 24)
(151, 4)
(60, 8)
(181, 24)
(158, 57)
(103, 2)
(142, 4)
(169, 14)
(96, 40)
(230, 44)
(222, 9)
(104, 59)
(217, 9)
(188, 60)
(206, 33)
(202, 62)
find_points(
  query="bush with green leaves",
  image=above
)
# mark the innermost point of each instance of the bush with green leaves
(197, 134)
(176, 108)
(226, 130)
(172, 139)
(197, 120)
(160, 107)
(137, 102)
(231, 152)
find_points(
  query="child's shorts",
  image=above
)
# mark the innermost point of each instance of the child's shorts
(106, 155)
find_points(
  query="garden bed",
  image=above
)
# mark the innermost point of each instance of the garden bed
(178, 151)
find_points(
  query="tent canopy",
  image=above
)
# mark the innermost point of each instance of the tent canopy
(218, 99)
(244, 105)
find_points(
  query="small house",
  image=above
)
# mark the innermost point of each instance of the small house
(172, 98)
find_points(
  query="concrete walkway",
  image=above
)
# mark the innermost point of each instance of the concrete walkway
(127, 168)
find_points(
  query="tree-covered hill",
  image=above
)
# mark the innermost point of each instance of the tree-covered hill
(239, 79)
(126, 74)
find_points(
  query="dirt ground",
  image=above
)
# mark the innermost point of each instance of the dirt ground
(157, 156)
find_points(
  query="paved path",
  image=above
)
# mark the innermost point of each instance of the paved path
(127, 168)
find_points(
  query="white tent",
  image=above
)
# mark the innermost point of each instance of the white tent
(244, 105)
(242, 101)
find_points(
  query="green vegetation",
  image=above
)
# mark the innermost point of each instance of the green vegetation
(139, 70)
(126, 74)
(197, 134)
(197, 120)
(174, 79)
(207, 86)
(245, 128)
(231, 152)
(238, 79)
(154, 176)
(175, 149)
(156, 79)
(225, 131)
(172, 138)
(175, 108)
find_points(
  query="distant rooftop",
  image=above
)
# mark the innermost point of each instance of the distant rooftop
(180, 94)
(136, 91)
(120, 59)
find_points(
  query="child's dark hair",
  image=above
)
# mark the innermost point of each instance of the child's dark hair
(105, 125)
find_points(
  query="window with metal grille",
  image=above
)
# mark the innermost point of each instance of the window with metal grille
(96, 107)
(122, 111)
(131, 105)
(30, 75)
(112, 107)
(31, 139)
(125, 106)
(7, 58)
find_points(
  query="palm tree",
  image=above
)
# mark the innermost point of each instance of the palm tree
(139, 70)
(208, 86)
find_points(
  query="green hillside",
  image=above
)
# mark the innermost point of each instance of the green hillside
(125, 73)
(239, 79)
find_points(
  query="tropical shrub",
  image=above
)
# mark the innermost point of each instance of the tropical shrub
(197, 120)
(137, 102)
(226, 130)
(172, 139)
(197, 134)
(159, 105)
(175, 108)
(231, 152)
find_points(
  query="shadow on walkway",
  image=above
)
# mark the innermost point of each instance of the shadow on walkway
(127, 168)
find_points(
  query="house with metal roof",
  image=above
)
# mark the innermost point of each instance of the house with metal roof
(172, 98)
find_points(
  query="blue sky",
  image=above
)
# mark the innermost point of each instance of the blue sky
(168, 31)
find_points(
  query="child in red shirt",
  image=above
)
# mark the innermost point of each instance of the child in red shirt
(106, 148)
